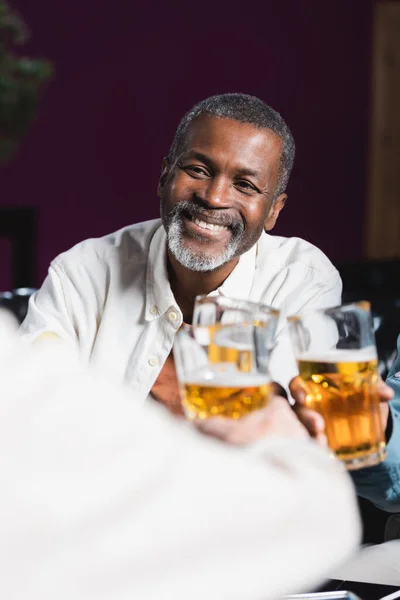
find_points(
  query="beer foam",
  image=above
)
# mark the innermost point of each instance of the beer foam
(228, 379)
(338, 355)
(238, 338)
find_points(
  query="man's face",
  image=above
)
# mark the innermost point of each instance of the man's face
(218, 196)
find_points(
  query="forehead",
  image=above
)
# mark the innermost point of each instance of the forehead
(229, 140)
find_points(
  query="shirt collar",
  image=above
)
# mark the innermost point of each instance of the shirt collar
(159, 296)
(240, 281)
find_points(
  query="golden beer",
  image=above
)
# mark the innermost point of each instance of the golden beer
(232, 395)
(240, 355)
(342, 387)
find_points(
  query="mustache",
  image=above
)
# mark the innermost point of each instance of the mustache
(196, 211)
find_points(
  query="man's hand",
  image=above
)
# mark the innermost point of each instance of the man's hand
(276, 419)
(313, 421)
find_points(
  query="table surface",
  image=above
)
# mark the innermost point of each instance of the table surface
(366, 591)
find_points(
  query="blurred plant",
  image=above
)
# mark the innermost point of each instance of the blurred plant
(21, 80)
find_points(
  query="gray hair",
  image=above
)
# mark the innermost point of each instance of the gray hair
(245, 109)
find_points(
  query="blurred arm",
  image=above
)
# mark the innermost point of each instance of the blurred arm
(102, 501)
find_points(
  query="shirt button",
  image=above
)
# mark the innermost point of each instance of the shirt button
(154, 310)
(172, 316)
(153, 362)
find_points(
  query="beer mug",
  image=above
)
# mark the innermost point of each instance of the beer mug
(222, 360)
(212, 314)
(337, 360)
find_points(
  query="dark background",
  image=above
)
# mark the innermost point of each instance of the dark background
(125, 74)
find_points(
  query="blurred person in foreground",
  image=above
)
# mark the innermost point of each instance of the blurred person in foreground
(121, 298)
(102, 500)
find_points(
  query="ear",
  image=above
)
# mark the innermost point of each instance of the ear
(163, 176)
(273, 214)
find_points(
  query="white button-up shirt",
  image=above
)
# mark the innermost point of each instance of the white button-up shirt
(111, 296)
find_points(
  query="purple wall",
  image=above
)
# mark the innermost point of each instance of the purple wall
(126, 72)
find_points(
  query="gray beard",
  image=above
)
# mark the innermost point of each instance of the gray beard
(196, 261)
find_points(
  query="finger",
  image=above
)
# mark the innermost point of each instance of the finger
(385, 392)
(298, 390)
(245, 430)
(217, 426)
(234, 433)
(322, 439)
(384, 414)
(278, 390)
(312, 421)
(276, 402)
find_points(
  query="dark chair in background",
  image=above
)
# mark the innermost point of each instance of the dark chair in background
(19, 224)
(17, 301)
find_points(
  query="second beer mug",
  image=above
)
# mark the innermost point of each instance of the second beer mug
(337, 360)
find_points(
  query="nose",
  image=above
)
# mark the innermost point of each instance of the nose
(216, 193)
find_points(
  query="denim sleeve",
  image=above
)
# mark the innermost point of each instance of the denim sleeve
(381, 484)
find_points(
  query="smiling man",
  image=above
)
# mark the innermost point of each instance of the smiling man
(122, 298)
(220, 188)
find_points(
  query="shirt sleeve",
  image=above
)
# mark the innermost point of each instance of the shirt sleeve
(326, 295)
(102, 501)
(50, 313)
(381, 484)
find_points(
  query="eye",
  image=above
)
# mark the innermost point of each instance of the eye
(245, 186)
(196, 171)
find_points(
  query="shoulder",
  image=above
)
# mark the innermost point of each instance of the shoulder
(296, 254)
(96, 255)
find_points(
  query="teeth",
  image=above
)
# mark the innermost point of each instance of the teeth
(210, 226)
